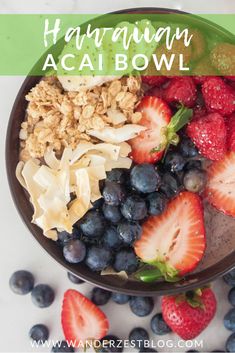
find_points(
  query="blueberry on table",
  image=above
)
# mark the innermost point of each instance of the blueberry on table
(156, 203)
(194, 180)
(62, 347)
(74, 279)
(42, 295)
(120, 298)
(138, 336)
(74, 251)
(134, 208)
(229, 320)
(144, 178)
(113, 193)
(117, 175)
(159, 326)
(129, 232)
(229, 278)
(230, 344)
(39, 333)
(111, 343)
(231, 296)
(126, 260)
(170, 185)
(100, 296)
(98, 259)
(141, 306)
(187, 148)
(174, 162)
(111, 239)
(21, 282)
(112, 213)
(93, 224)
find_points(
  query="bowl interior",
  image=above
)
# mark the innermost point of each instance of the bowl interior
(219, 257)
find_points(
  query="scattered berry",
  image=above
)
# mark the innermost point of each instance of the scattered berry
(181, 90)
(156, 203)
(145, 178)
(21, 282)
(93, 224)
(126, 260)
(74, 279)
(120, 298)
(159, 326)
(231, 296)
(39, 333)
(98, 259)
(100, 296)
(134, 208)
(74, 251)
(229, 320)
(141, 306)
(42, 295)
(113, 193)
(112, 213)
(138, 336)
(229, 278)
(128, 232)
(194, 180)
(230, 344)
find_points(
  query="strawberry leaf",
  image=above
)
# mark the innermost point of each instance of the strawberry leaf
(162, 270)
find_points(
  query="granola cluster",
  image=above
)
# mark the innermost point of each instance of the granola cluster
(56, 118)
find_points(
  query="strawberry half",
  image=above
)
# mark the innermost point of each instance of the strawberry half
(81, 319)
(155, 117)
(220, 189)
(174, 241)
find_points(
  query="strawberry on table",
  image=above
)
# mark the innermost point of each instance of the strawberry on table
(181, 90)
(81, 319)
(209, 135)
(161, 128)
(219, 96)
(190, 313)
(173, 242)
(220, 189)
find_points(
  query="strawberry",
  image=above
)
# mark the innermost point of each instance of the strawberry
(230, 123)
(181, 90)
(150, 144)
(81, 319)
(173, 242)
(154, 80)
(190, 313)
(223, 58)
(220, 191)
(219, 96)
(209, 135)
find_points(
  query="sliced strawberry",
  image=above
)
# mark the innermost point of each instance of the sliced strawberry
(81, 319)
(155, 117)
(176, 237)
(220, 189)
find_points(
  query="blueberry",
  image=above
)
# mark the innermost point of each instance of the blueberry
(62, 347)
(74, 279)
(129, 232)
(194, 180)
(231, 296)
(93, 224)
(111, 238)
(138, 336)
(145, 178)
(194, 163)
(42, 295)
(39, 333)
(64, 237)
(229, 320)
(134, 208)
(126, 260)
(230, 344)
(229, 278)
(21, 282)
(187, 148)
(156, 203)
(74, 251)
(111, 343)
(113, 193)
(100, 296)
(120, 298)
(117, 175)
(158, 325)
(98, 204)
(112, 213)
(98, 258)
(141, 306)
(174, 162)
(170, 185)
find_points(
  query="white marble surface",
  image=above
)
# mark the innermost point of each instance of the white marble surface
(18, 248)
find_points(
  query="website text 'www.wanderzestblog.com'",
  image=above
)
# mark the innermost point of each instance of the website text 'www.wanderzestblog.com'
(97, 344)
